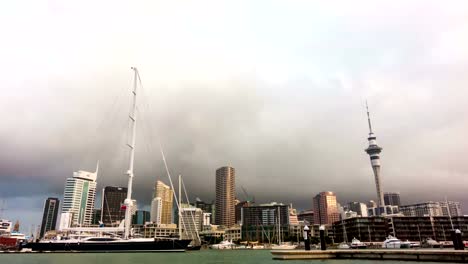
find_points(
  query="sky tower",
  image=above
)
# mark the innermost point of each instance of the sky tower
(374, 153)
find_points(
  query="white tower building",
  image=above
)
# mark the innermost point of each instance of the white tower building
(78, 198)
(374, 153)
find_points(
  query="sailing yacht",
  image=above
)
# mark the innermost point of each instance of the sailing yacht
(127, 243)
(282, 245)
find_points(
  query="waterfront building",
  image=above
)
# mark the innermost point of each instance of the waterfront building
(451, 208)
(419, 228)
(191, 222)
(296, 230)
(96, 218)
(422, 209)
(49, 215)
(366, 229)
(325, 208)
(206, 220)
(238, 210)
(392, 198)
(166, 194)
(359, 208)
(307, 215)
(233, 233)
(112, 200)
(371, 204)
(158, 230)
(260, 222)
(293, 220)
(156, 210)
(141, 217)
(374, 154)
(79, 197)
(225, 196)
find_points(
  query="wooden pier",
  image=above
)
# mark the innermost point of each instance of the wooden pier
(460, 256)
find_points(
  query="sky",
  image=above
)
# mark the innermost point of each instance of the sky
(276, 89)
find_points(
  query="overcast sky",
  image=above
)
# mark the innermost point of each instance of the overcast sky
(276, 89)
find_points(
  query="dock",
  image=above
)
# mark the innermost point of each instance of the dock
(441, 255)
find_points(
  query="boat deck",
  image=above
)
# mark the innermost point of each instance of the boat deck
(440, 255)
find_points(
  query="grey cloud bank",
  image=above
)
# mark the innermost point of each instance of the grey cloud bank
(276, 90)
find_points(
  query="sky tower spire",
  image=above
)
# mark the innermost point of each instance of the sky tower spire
(374, 154)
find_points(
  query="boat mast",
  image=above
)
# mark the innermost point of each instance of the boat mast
(180, 213)
(128, 202)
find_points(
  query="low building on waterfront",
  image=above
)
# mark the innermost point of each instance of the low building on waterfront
(260, 222)
(159, 230)
(422, 209)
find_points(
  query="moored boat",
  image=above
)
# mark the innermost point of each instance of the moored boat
(391, 242)
(356, 244)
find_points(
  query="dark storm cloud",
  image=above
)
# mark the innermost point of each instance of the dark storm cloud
(282, 101)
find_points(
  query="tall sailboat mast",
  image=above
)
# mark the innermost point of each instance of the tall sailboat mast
(128, 202)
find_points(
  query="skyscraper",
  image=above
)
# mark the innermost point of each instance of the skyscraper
(374, 153)
(325, 208)
(78, 198)
(225, 196)
(49, 216)
(156, 210)
(166, 194)
(112, 200)
(392, 198)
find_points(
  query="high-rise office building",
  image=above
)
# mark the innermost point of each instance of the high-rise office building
(78, 199)
(156, 210)
(392, 198)
(49, 216)
(225, 196)
(374, 153)
(325, 208)
(167, 196)
(238, 209)
(260, 222)
(451, 208)
(112, 200)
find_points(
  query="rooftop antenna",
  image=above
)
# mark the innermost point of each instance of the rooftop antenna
(368, 118)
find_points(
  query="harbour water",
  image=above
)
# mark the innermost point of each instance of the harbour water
(195, 257)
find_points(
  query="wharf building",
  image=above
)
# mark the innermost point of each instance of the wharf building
(167, 195)
(392, 198)
(260, 222)
(451, 208)
(412, 228)
(112, 200)
(78, 199)
(191, 221)
(325, 209)
(422, 209)
(225, 197)
(49, 215)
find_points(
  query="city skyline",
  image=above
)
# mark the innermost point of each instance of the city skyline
(276, 90)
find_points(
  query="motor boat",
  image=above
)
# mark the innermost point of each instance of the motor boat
(405, 244)
(391, 242)
(356, 244)
(284, 246)
(343, 245)
(225, 244)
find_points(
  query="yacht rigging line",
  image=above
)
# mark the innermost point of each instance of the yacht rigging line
(191, 212)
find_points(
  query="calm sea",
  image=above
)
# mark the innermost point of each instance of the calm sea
(194, 257)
